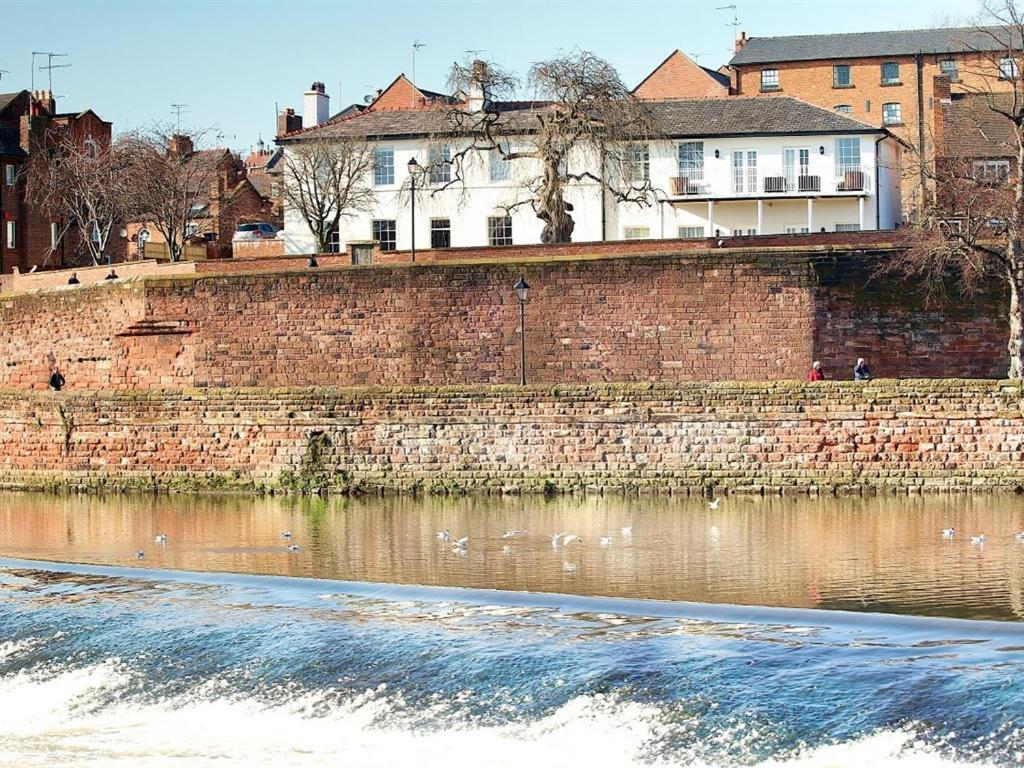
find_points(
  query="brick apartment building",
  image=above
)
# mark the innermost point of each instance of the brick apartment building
(680, 77)
(881, 78)
(29, 121)
(264, 171)
(229, 198)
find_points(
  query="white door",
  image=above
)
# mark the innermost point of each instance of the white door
(744, 172)
(797, 164)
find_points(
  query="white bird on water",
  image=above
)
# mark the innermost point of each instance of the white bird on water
(948, 533)
(556, 539)
(570, 538)
(461, 543)
(979, 539)
(713, 504)
(1020, 537)
(606, 540)
(286, 534)
(444, 535)
(160, 538)
(627, 530)
(513, 534)
(293, 548)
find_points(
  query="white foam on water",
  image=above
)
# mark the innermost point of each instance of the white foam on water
(80, 717)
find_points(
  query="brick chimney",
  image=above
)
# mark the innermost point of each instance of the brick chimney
(288, 121)
(316, 105)
(479, 87)
(741, 41)
(181, 145)
(43, 103)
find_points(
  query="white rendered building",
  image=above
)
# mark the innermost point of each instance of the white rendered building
(730, 166)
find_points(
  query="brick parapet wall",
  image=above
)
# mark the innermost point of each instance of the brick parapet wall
(754, 437)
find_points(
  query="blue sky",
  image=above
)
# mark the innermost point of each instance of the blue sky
(231, 61)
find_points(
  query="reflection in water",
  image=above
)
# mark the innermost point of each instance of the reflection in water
(879, 554)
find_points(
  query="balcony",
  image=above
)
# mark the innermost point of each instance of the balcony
(751, 183)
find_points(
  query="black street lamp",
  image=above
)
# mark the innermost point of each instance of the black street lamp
(413, 167)
(521, 289)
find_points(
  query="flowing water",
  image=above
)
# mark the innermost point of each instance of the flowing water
(773, 632)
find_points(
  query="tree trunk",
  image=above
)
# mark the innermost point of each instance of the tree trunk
(1015, 277)
(552, 208)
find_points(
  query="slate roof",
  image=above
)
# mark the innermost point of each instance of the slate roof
(851, 45)
(7, 98)
(972, 129)
(727, 116)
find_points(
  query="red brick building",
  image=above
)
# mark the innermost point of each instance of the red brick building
(28, 121)
(680, 77)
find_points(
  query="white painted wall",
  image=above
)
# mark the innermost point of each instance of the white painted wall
(469, 205)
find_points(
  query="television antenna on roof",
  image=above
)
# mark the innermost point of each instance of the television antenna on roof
(4, 72)
(416, 45)
(50, 66)
(178, 110)
(735, 23)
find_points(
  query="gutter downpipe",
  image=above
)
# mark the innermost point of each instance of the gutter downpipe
(878, 196)
(920, 127)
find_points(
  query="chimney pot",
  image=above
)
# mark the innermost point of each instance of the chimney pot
(741, 41)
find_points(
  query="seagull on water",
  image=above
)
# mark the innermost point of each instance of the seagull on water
(140, 555)
(606, 540)
(286, 534)
(556, 539)
(948, 533)
(979, 539)
(627, 530)
(1020, 537)
(444, 535)
(160, 538)
(461, 543)
(512, 534)
(713, 504)
(569, 538)
(293, 548)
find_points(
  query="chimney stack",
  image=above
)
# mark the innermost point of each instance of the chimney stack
(316, 106)
(181, 145)
(479, 96)
(43, 103)
(741, 41)
(288, 121)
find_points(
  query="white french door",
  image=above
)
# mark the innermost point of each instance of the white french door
(744, 171)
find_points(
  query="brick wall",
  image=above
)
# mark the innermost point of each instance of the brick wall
(257, 249)
(926, 435)
(716, 315)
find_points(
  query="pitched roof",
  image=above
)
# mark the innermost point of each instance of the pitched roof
(680, 77)
(681, 118)
(970, 128)
(850, 45)
(7, 98)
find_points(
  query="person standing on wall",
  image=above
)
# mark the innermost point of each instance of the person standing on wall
(56, 379)
(816, 373)
(861, 372)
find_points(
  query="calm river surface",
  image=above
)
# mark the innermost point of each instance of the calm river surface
(831, 632)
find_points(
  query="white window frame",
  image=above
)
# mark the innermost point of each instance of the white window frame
(836, 69)
(54, 235)
(991, 171)
(498, 167)
(690, 160)
(843, 109)
(797, 229)
(846, 160)
(636, 233)
(12, 235)
(638, 162)
(383, 167)
(9, 174)
(435, 227)
(744, 175)
(439, 165)
(499, 230)
(691, 233)
(770, 79)
(847, 227)
(951, 69)
(376, 227)
(1008, 68)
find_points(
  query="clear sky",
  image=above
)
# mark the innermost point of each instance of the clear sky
(232, 61)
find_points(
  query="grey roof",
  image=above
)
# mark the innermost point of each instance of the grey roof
(7, 98)
(850, 45)
(727, 116)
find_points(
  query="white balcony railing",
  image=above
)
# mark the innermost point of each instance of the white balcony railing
(773, 182)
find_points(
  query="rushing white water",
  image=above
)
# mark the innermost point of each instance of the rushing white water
(66, 718)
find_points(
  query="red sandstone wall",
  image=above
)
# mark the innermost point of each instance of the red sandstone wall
(758, 436)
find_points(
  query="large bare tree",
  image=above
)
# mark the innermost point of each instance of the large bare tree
(171, 183)
(581, 125)
(971, 229)
(85, 188)
(327, 179)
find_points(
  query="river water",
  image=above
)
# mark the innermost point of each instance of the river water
(804, 632)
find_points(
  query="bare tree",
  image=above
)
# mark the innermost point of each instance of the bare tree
(327, 179)
(971, 229)
(582, 125)
(171, 184)
(84, 188)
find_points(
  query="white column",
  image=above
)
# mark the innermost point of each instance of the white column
(760, 217)
(711, 218)
(810, 214)
(860, 211)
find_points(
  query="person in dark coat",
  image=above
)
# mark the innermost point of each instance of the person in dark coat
(73, 280)
(861, 372)
(56, 379)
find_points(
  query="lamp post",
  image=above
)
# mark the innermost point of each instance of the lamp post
(521, 289)
(413, 167)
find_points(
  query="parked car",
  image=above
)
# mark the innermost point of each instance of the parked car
(255, 230)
